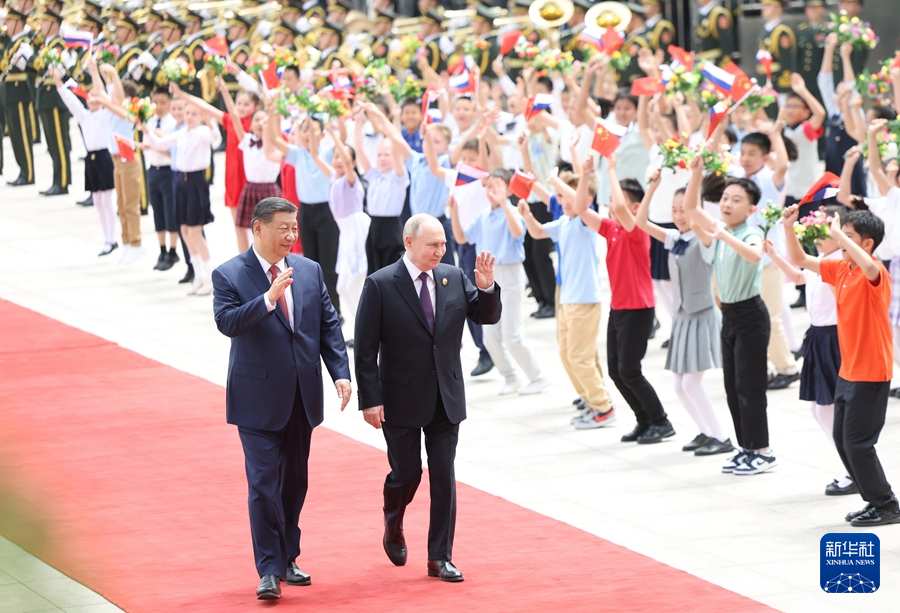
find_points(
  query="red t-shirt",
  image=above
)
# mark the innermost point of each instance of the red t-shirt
(235, 180)
(628, 265)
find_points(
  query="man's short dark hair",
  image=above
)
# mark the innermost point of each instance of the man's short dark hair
(760, 140)
(633, 189)
(884, 112)
(161, 91)
(712, 187)
(130, 88)
(749, 187)
(410, 102)
(546, 83)
(472, 145)
(265, 209)
(866, 224)
(292, 68)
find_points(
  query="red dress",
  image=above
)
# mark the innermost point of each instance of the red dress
(235, 180)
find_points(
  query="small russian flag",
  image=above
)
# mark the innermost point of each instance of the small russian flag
(462, 83)
(716, 114)
(538, 103)
(434, 115)
(590, 39)
(76, 89)
(765, 58)
(340, 80)
(468, 174)
(719, 77)
(431, 95)
(74, 39)
(685, 58)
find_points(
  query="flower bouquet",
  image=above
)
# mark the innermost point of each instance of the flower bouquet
(707, 96)
(813, 228)
(852, 30)
(256, 63)
(679, 79)
(715, 161)
(676, 155)
(373, 77)
(770, 215)
(887, 140)
(410, 49)
(475, 47)
(307, 100)
(179, 70)
(215, 64)
(333, 108)
(619, 61)
(107, 53)
(286, 103)
(407, 89)
(759, 99)
(553, 59)
(139, 109)
(48, 57)
(284, 57)
(524, 50)
(875, 86)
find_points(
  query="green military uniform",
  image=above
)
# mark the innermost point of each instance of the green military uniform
(4, 42)
(194, 52)
(332, 57)
(571, 42)
(484, 58)
(432, 47)
(809, 54)
(660, 35)
(634, 42)
(37, 41)
(238, 53)
(781, 42)
(18, 98)
(714, 35)
(54, 116)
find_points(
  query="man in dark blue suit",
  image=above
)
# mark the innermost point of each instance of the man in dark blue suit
(275, 308)
(408, 332)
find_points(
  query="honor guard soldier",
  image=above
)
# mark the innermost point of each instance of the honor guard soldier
(173, 30)
(858, 57)
(193, 49)
(714, 38)
(127, 38)
(571, 31)
(238, 49)
(313, 11)
(437, 46)
(17, 94)
(635, 40)
(151, 39)
(777, 38)
(337, 12)
(284, 33)
(93, 24)
(483, 30)
(331, 37)
(660, 32)
(381, 33)
(52, 110)
(810, 38)
(531, 33)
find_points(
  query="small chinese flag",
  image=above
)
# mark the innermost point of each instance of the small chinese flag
(646, 86)
(521, 184)
(896, 62)
(605, 142)
(217, 45)
(270, 75)
(742, 83)
(685, 57)
(611, 40)
(126, 148)
(508, 41)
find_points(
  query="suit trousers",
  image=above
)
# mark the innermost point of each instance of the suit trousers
(18, 121)
(384, 243)
(467, 255)
(627, 334)
(127, 179)
(404, 447)
(770, 291)
(506, 339)
(538, 266)
(56, 127)
(744, 370)
(277, 475)
(319, 235)
(859, 410)
(577, 328)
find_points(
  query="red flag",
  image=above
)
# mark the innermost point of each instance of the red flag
(217, 45)
(605, 142)
(508, 41)
(742, 83)
(829, 179)
(685, 57)
(270, 75)
(611, 40)
(521, 184)
(896, 62)
(646, 86)
(126, 148)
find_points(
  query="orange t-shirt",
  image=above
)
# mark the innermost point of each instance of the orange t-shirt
(864, 331)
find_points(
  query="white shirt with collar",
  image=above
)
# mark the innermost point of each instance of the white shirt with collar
(650, 22)
(160, 157)
(282, 266)
(704, 10)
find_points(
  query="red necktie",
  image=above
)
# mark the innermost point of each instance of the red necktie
(282, 301)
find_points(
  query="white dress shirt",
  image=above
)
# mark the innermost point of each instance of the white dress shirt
(282, 266)
(257, 167)
(157, 157)
(414, 273)
(94, 125)
(192, 146)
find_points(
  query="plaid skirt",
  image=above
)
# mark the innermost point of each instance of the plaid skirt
(250, 197)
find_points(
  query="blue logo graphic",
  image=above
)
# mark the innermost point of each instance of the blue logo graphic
(850, 563)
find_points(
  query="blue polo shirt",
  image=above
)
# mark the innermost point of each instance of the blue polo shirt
(490, 232)
(427, 193)
(313, 187)
(556, 211)
(414, 139)
(578, 266)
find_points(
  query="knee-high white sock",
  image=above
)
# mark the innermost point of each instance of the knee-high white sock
(103, 202)
(666, 294)
(692, 384)
(824, 416)
(688, 404)
(793, 341)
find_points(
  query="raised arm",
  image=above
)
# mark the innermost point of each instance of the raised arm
(699, 217)
(390, 130)
(112, 77)
(825, 79)
(362, 159)
(534, 227)
(200, 103)
(818, 111)
(69, 99)
(845, 191)
(512, 222)
(846, 64)
(781, 157)
(431, 156)
(324, 166)
(341, 151)
(236, 124)
(618, 207)
(274, 146)
(793, 274)
(590, 217)
(875, 166)
(458, 233)
(643, 215)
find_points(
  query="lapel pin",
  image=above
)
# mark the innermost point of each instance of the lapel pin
(444, 281)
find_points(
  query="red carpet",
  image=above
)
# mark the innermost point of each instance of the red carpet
(142, 483)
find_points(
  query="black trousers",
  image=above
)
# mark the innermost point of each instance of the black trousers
(278, 478)
(56, 128)
(162, 198)
(745, 333)
(467, 258)
(319, 234)
(384, 245)
(627, 334)
(18, 120)
(859, 410)
(32, 118)
(538, 265)
(404, 447)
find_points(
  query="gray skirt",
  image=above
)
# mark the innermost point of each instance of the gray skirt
(695, 344)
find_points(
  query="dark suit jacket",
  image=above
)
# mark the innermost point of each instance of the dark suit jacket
(268, 359)
(414, 363)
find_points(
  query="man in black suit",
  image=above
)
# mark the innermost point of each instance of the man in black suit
(412, 314)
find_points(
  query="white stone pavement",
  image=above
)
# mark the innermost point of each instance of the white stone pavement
(758, 536)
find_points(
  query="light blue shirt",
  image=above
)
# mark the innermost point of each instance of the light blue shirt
(119, 126)
(386, 193)
(578, 266)
(427, 193)
(313, 186)
(490, 232)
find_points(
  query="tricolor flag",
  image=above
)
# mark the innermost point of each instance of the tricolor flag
(607, 137)
(431, 95)
(716, 114)
(434, 115)
(126, 148)
(462, 83)
(721, 79)
(538, 103)
(685, 58)
(521, 184)
(76, 89)
(665, 74)
(217, 45)
(468, 174)
(590, 38)
(765, 58)
(461, 64)
(823, 189)
(77, 39)
(340, 80)
(508, 41)
(743, 85)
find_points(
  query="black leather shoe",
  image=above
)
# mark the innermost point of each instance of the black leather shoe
(800, 302)
(699, 441)
(855, 514)
(395, 548)
(269, 588)
(445, 570)
(665, 344)
(833, 489)
(894, 393)
(632, 436)
(107, 249)
(578, 400)
(349, 343)
(715, 447)
(484, 366)
(189, 275)
(655, 328)
(295, 576)
(877, 517)
(656, 433)
(171, 258)
(19, 181)
(781, 382)
(89, 201)
(159, 261)
(55, 190)
(545, 312)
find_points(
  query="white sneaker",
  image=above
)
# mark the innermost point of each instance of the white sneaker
(756, 463)
(123, 255)
(535, 387)
(205, 289)
(132, 255)
(196, 284)
(511, 386)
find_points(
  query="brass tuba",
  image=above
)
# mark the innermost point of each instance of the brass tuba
(548, 14)
(607, 14)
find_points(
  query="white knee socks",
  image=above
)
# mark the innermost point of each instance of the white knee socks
(696, 402)
(103, 202)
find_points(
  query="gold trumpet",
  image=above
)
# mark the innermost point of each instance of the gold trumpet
(357, 22)
(548, 14)
(607, 14)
